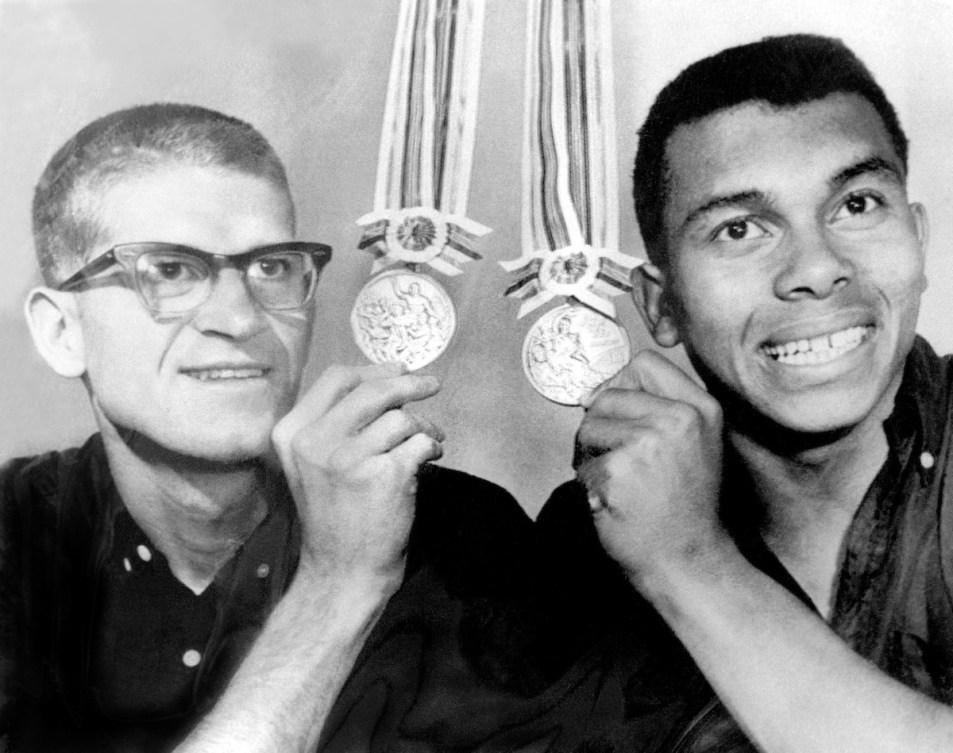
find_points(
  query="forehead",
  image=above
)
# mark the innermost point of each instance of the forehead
(215, 209)
(776, 151)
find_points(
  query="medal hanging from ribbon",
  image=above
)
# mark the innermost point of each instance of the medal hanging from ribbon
(419, 224)
(570, 202)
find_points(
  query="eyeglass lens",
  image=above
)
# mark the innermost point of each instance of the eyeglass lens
(172, 281)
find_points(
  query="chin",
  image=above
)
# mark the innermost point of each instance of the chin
(213, 445)
(230, 449)
(798, 422)
(821, 422)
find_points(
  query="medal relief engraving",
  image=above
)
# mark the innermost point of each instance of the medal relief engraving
(405, 317)
(416, 233)
(570, 351)
(568, 269)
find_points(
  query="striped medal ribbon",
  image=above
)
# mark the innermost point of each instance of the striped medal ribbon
(570, 202)
(423, 182)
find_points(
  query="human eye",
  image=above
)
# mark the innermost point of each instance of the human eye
(171, 269)
(275, 267)
(739, 229)
(858, 205)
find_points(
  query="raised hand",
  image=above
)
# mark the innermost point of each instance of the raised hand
(350, 451)
(649, 451)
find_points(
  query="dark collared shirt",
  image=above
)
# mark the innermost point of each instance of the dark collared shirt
(893, 598)
(102, 649)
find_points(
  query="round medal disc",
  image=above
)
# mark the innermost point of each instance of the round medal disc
(571, 350)
(403, 316)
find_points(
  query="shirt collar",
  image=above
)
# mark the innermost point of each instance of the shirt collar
(920, 406)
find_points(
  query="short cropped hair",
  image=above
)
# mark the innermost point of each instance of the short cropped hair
(66, 212)
(784, 71)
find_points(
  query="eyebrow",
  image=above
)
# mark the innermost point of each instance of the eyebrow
(747, 198)
(754, 197)
(864, 167)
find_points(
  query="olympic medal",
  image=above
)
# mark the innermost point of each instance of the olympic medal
(571, 350)
(403, 316)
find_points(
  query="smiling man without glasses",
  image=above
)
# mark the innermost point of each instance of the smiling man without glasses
(792, 524)
(206, 569)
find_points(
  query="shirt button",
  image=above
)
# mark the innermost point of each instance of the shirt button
(263, 570)
(927, 460)
(191, 658)
(144, 554)
(127, 564)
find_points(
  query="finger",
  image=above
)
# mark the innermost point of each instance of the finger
(652, 372)
(369, 401)
(625, 417)
(623, 404)
(426, 425)
(602, 435)
(417, 450)
(337, 381)
(593, 476)
(328, 389)
(391, 430)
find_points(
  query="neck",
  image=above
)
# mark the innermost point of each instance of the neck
(196, 512)
(807, 490)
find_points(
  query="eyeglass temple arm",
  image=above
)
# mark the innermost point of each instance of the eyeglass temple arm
(100, 264)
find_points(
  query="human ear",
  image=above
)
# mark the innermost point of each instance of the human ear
(651, 298)
(922, 225)
(56, 330)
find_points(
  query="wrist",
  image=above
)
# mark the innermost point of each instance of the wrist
(356, 590)
(700, 565)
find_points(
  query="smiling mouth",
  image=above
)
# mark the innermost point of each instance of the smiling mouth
(216, 375)
(818, 350)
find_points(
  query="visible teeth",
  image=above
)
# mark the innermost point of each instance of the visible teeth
(819, 349)
(208, 375)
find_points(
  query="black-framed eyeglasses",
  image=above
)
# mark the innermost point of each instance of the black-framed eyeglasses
(172, 279)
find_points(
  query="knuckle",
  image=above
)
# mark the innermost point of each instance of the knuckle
(280, 434)
(385, 390)
(399, 422)
(683, 417)
(608, 397)
(646, 360)
(711, 409)
(299, 444)
(643, 357)
(419, 447)
(390, 470)
(646, 444)
(337, 462)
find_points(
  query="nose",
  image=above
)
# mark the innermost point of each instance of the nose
(230, 310)
(812, 267)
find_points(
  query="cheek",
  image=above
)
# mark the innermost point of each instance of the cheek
(900, 281)
(708, 311)
(294, 331)
(294, 335)
(117, 372)
(124, 354)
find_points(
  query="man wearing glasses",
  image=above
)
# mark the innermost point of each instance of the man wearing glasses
(205, 570)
